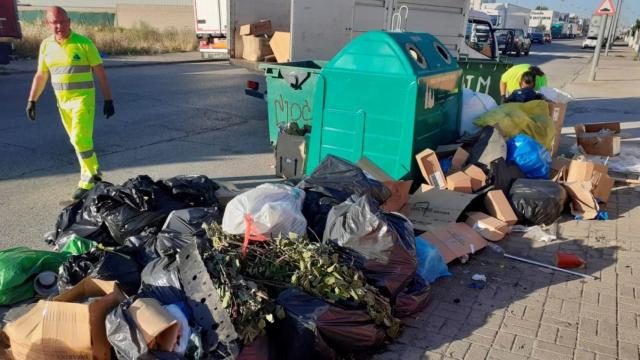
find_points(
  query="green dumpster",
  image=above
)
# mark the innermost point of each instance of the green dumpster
(483, 76)
(290, 88)
(386, 96)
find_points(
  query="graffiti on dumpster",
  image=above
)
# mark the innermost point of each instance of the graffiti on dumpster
(482, 84)
(287, 111)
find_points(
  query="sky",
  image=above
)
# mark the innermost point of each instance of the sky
(584, 8)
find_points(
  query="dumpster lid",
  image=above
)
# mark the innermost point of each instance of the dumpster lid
(408, 53)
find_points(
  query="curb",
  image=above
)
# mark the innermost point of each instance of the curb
(124, 64)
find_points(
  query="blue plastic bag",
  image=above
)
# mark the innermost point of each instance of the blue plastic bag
(431, 265)
(531, 157)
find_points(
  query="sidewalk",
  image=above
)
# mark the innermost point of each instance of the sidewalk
(526, 312)
(29, 65)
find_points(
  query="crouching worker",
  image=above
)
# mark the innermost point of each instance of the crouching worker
(526, 92)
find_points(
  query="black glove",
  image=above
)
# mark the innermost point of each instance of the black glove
(31, 110)
(108, 109)
(503, 99)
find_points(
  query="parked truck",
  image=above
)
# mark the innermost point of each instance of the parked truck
(9, 28)
(508, 16)
(319, 29)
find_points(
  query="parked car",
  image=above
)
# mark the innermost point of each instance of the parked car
(513, 41)
(547, 38)
(590, 42)
(537, 37)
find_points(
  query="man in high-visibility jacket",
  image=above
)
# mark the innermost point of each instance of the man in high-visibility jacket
(71, 60)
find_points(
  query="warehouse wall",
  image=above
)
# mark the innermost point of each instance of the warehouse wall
(158, 16)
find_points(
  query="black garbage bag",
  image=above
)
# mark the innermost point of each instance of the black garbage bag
(413, 299)
(504, 174)
(196, 191)
(314, 329)
(160, 280)
(127, 341)
(537, 202)
(380, 244)
(73, 219)
(143, 247)
(330, 184)
(103, 265)
(184, 226)
(489, 147)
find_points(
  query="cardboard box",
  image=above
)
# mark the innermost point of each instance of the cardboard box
(460, 182)
(291, 156)
(594, 142)
(426, 187)
(255, 48)
(62, 329)
(281, 45)
(488, 227)
(399, 189)
(430, 169)
(459, 160)
(498, 206)
(582, 201)
(557, 111)
(262, 27)
(478, 177)
(158, 327)
(436, 208)
(455, 240)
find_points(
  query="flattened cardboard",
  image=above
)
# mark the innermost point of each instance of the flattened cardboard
(255, 48)
(281, 46)
(488, 227)
(602, 183)
(262, 27)
(459, 160)
(436, 208)
(579, 171)
(373, 170)
(594, 143)
(455, 240)
(430, 169)
(560, 167)
(478, 177)
(557, 111)
(498, 206)
(426, 187)
(460, 182)
(582, 201)
(61, 329)
(291, 156)
(399, 195)
(158, 327)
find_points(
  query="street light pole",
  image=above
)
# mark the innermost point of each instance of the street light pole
(612, 32)
(596, 54)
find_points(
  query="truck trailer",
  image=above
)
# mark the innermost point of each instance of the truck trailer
(508, 16)
(9, 28)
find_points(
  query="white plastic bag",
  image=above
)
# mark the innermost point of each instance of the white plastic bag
(555, 95)
(474, 104)
(274, 208)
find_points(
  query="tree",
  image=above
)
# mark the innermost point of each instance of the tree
(636, 27)
(540, 7)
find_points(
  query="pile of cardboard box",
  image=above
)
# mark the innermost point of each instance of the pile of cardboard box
(261, 43)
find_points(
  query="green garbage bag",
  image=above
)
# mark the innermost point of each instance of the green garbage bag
(18, 268)
(78, 245)
(530, 118)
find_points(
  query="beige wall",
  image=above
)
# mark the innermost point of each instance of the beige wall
(158, 16)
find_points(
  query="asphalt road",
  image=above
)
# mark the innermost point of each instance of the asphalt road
(170, 120)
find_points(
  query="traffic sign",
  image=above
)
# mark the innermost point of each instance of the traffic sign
(606, 8)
